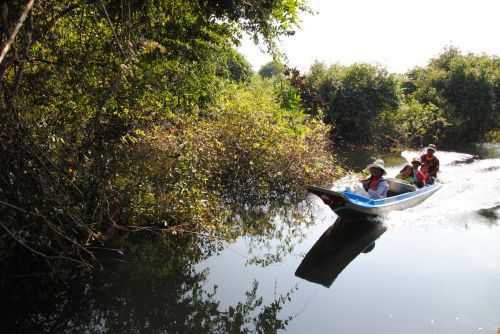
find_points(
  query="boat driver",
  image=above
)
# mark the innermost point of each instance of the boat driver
(376, 186)
(430, 163)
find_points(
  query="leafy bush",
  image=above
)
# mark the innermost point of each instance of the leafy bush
(349, 97)
(247, 151)
(271, 69)
(412, 124)
(465, 87)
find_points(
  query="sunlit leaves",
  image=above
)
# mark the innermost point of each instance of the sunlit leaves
(464, 87)
(351, 97)
(246, 151)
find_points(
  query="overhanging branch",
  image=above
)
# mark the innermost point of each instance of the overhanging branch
(18, 26)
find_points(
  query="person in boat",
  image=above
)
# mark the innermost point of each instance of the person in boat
(376, 186)
(412, 175)
(406, 174)
(419, 177)
(428, 179)
(430, 163)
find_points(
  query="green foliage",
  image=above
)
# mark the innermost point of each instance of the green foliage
(247, 151)
(271, 69)
(236, 67)
(364, 93)
(276, 150)
(465, 88)
(350, 97)
(454, 96)
(306, 88)
(412, 124)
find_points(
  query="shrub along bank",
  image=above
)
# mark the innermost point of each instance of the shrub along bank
(246, 150)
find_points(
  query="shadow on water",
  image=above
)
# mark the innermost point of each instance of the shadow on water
(491, 214)
(341, 243)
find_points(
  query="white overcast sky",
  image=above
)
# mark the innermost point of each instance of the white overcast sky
(397, 34)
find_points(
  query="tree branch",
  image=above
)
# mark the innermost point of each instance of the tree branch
(18, 26)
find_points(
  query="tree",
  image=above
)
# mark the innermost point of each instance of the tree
(464, 87)
(350, 97)
(271, 69)
(236, 67)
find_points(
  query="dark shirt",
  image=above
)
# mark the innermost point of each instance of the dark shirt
(432, 163)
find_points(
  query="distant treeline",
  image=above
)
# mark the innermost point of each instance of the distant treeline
(454, 99)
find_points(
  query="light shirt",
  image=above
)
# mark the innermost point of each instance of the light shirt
(381, 191)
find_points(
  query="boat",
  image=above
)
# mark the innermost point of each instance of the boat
(399, 197)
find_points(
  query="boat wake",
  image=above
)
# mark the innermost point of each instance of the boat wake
(470, 192)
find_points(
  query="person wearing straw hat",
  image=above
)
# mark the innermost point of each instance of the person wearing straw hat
(430, 163)
(376, 186)
(411, 174)
(406, 174)
(419, 177)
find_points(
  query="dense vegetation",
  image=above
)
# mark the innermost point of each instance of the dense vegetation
(120, 116)
(455, 98)
(135, 128)
(463, 89)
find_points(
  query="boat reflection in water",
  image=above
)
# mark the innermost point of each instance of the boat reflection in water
(341, 243)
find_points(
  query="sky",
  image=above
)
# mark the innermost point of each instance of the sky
(397, 34)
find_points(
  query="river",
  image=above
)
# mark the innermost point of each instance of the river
(434, 268)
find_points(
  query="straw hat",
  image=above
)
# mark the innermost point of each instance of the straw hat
(416, 161)
(431, 147)
(379, 163)
(406, 166)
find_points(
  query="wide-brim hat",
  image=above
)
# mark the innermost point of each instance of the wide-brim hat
(406, 166)
(416, 161)
(379, 163)
(431, 147)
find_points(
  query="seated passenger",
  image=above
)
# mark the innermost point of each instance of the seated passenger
(412, 175)
(406, 174)
(419, 177)
(375, 185)
(428, 179)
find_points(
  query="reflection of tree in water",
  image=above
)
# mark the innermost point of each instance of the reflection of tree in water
(154, 289)
(272, 232)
